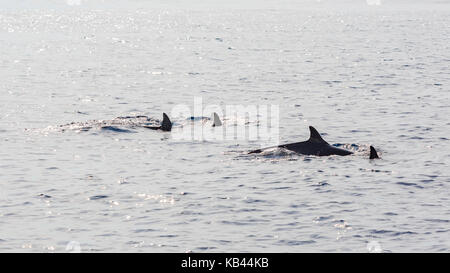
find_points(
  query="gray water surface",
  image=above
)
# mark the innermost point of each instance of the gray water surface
(364, 76)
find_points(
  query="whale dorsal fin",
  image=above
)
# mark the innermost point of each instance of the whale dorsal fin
(373, 153)
(166, 123)
(315, 136)
(216, 120)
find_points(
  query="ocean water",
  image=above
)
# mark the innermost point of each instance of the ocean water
(361, 74)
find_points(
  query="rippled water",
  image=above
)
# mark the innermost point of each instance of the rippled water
(368, 76)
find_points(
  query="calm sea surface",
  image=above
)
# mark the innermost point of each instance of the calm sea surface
(368, 75)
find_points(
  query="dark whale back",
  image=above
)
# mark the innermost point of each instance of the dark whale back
(315, 145)
(166, 124)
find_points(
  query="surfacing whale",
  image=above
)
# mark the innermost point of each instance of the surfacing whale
(315, 145)
(123, 124)
(216, 122)
(166, 124)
